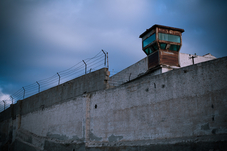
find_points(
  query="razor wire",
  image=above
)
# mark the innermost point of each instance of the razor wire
(88, 65)
(118, 78)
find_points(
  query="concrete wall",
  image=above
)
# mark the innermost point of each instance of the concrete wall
(141, 67)
(62, 123)
(181, 105)
(90, 82)
(40, 115)
(129, 73)
(183, 109)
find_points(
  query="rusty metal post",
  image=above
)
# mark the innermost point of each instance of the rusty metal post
(193, 60)
(193, 57)
(12, 99)
(24, 93)
(85, 66)
(105, 58)
(39, 86)
(59, 78)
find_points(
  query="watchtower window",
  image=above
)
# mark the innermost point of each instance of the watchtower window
(174, 47)
(148, 51)
(149, 40)
(155, 46)
(169, 37)
(151, 49)
(162, 45)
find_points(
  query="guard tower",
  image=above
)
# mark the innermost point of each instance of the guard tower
(162, 45)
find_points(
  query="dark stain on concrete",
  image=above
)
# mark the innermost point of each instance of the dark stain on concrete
(64, 137)
(189, 146)
(205, 127)
(57, 136)
(76, 138)
(25, 137)
(214, 131)
(52, 146)
(147, 89)
(83, 131)
(29, 140)
(20, 146)
(113, 138)
(93, 137)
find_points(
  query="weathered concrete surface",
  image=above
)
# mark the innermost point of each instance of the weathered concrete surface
(62, 123)
(90, 82)
(129, 73)
(41, 114)
(185, 146)
(6, 114)
(183, 109)
(141, 68)
(187, 102)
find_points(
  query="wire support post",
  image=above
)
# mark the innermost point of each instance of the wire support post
(38, 86)
(105, 58)
(4, 102)
(59, 78)
(24, 92)
(85, 66)
(90, 64)
(11, 98)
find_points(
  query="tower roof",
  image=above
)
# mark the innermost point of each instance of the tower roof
(161, 26)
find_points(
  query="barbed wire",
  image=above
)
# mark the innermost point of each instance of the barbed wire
(118, 78)
(88, 65)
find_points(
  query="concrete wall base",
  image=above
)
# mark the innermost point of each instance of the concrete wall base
(185, 146)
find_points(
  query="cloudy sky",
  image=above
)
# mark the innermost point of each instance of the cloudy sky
(39, 38)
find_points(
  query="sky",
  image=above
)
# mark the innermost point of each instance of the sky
(39, 38)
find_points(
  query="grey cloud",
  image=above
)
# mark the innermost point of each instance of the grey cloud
(39, 38)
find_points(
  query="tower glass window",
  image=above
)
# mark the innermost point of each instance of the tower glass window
(149, 40)
(168, 37)
(155, 46)
(148, 51)
(162, 45)
(174, 47)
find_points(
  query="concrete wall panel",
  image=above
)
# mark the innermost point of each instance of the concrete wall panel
(186, 102)
(61, 121)
(177, 107)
